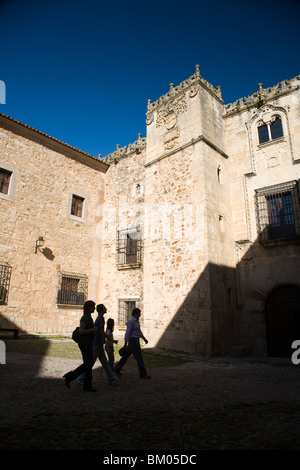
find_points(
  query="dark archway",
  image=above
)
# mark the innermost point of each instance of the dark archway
(282, 320)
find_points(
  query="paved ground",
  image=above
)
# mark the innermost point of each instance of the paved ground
(219, 404)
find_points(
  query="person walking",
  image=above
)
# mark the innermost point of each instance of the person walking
(98, 348)
(110, 341)
(132, 345)
(87, 330)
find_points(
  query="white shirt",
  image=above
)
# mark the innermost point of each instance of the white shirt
(133, 329)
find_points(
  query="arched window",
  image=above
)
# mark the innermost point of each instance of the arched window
(271, 130)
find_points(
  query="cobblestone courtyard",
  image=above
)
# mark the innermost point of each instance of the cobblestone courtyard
(217, 404)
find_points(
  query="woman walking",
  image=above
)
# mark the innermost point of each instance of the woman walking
(86, 334)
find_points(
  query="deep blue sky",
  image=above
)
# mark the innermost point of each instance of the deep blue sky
(82, 71)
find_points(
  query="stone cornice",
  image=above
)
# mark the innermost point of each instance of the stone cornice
(200, 138)
(56, 145)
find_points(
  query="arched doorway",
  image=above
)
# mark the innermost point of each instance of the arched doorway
(282, 320)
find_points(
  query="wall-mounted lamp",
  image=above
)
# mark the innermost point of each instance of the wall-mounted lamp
(38, 243)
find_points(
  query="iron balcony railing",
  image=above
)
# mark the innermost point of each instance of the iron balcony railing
(72, 289)
(278, 211)
(5, 275)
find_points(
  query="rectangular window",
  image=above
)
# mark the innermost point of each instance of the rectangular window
(8, 181)
(77, 205)
(280, 215)
(129, 248)
(125, 310)
(72, 289)
(5, 274)
(278, 212)
(5, 177)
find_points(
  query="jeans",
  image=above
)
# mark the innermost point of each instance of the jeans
(135, 349)
(110, 355)
(85, 368)
(98, 352)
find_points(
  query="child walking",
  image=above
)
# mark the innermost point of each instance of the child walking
(110, 341)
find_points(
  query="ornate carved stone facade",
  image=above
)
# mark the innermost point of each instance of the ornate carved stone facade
(198, 223)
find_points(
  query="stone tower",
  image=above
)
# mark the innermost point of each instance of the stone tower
(189, 269)
(184, 218)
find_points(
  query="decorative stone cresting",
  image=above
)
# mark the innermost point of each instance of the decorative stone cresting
(126, 151)
(263, 95)
(175, 91)
(172, 102)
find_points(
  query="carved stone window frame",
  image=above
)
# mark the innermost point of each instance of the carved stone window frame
(252, 126)
(268, 124)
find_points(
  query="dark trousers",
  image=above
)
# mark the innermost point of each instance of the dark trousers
(110, 355)
(86, 367)
(135, 349)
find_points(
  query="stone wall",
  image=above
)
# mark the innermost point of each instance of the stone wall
(44, 183)
(174, 251)
(199, 168)
(189, 189)
(253, 166)
(123, 209)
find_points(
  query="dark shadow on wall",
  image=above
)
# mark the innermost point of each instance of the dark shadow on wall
(206, 322)
(231, 313)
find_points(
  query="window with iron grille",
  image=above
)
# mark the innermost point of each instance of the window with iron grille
(270, 131)
(129, 248)
(278, 212)
(125, 310)
(5, 177)
(5, 274)
(72, 289)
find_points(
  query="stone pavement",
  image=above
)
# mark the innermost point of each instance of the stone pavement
(217, 404)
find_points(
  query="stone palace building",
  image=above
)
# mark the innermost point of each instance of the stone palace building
(198, 224)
